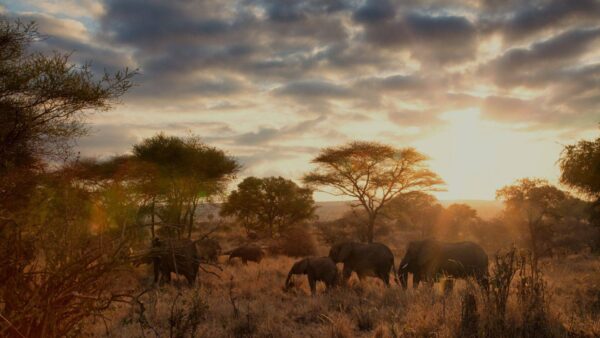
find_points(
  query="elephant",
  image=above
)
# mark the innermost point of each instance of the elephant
(247, 253)
(317, 269)
(366, 259)
(179, 256)
(429, 259)
(209, 249)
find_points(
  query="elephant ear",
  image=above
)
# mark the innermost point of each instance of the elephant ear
(428, 251)
(345, 251)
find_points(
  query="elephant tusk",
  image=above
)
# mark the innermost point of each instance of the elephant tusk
(404, 266)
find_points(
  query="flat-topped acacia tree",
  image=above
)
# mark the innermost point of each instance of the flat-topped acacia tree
(373, 173)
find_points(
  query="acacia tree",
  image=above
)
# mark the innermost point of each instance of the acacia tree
(270, 205)
(533, 204)
(189, 171)
(415, 209)
(580, 170)
(43, 100)
(373, 173)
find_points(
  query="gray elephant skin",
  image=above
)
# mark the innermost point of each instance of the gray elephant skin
(178, 256)
(316, 269)
(209, 250)
(366, 259)
(428, 260)
(246, 253)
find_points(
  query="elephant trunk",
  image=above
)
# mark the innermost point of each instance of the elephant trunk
(287, 281)
(403, 273)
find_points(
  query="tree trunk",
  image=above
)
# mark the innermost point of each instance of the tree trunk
(191, 220)
(370, 231)
(152, 218)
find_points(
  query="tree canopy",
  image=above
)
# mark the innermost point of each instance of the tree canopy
(187, 172)
(580, 167)
(48, 252)
(269, 205)
(373, 173)
(533, 204)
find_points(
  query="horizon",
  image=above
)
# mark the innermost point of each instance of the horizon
(490, 92)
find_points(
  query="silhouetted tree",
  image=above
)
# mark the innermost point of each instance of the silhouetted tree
(580, 169)
(55, 268)
(373, 173)
(534, 204)
(270, 205)
(415, 209)
(189, 171)
(457, 220)
(43, 100)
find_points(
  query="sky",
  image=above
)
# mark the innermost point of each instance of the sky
(490, 90)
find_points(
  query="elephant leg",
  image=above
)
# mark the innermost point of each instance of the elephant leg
(346, 273)
(313, 285)
(191, 277)
(385, 277)
(166, 275)
(416, 280)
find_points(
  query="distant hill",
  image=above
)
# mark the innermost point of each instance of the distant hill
(486, 209)
(328, 211)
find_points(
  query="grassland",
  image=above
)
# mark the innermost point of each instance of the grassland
(249, 301)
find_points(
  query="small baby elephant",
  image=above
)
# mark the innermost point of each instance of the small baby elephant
(317, 269)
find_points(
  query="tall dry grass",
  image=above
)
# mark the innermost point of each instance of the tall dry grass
(249, 301)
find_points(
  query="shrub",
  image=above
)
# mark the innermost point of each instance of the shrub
(183, 319)
(469, 319)
(298, 242)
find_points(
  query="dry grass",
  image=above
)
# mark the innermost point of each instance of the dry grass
(254, 304)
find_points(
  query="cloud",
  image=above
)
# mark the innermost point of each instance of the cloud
(107, 140)
(312, 89)
(266, 134)
(374, 11)
(439, 39)
(518, 65)
(289, 62)
(533, 17)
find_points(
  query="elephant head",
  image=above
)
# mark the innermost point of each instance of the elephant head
(299, 268)
(341, 251)
(419, 258)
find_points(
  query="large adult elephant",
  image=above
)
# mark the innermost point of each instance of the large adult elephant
(366, 259)
(430, 259)
(178, 256)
